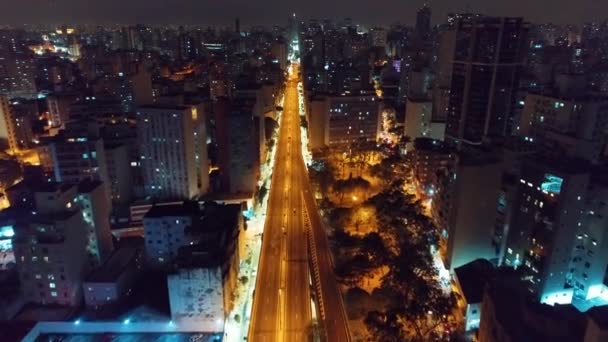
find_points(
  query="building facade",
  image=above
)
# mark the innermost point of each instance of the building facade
(174, 162)
(488, 56)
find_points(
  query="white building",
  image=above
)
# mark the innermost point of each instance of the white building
(337, 121)
(174, 161)
(201, 290)
(419, 121)
(196, 296)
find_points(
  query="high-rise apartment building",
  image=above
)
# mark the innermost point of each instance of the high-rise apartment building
(339, 121)
(51, 257)
(59, 108)
(8, 136)
(472, 199)
(61, 232)
(78, 153)
(589, 262)
(419, 121)
(120, 171)
(575, 126)
(172, 141)
(378, 37)
(548, 214)
(488, 55)
(238, 139)
(17, 72)
(88, 198)
(94, 203)
(207, 268)
(165, 231)
(429, 158)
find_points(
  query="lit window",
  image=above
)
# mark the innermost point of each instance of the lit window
(37, 276)
(53, 293)
(52, 285)
(46, 259)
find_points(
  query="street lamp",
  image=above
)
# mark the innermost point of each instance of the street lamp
(355, 198)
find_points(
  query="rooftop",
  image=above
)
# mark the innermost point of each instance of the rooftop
(428, 144)
(473, 278)
(217, 234)
(524, 319)
(471, 156)
(38, 186)
(169, 210)
(87, 185)
(160, 106)
(564, 164)
(114, 266)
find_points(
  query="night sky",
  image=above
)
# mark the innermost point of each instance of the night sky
(212, 12)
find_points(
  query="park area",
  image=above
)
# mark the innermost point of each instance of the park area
(384, 247)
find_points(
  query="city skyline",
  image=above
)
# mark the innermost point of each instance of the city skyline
(360, 176)
(267, 12)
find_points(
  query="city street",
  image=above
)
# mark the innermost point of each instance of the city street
(282, 307)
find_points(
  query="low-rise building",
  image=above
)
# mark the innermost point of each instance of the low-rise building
(114, 279)
(471, 280)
